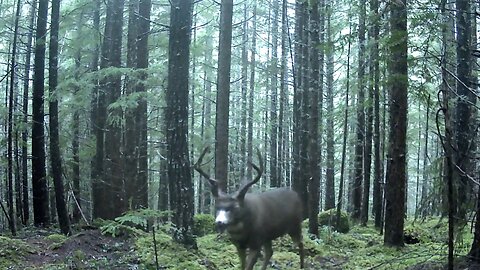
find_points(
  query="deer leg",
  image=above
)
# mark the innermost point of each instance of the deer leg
(252, 258)
(268, 254)
(242, 253)
(297, 239)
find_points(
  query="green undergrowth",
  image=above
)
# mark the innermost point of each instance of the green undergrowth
(13, 251)
(361, 248)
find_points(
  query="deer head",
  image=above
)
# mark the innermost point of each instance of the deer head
(228, 207)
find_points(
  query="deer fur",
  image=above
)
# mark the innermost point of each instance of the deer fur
(253, 220)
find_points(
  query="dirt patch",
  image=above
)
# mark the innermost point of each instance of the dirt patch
(85, 250)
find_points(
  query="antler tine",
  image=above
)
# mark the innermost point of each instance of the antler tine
(244, 189)
(199, 169)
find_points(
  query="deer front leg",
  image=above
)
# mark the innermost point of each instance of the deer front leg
(242, 253)
(268, 254)
(252, 258)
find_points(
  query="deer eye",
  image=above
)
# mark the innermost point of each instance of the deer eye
(230, 208)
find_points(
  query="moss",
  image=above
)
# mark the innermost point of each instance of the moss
(171, 255)
(328, 218)
(56, 240)
(219, 251)
(13, 252)
(203, 224)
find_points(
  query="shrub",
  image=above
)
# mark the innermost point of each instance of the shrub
(328, 218)
(203, 224)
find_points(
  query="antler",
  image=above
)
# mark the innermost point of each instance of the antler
(244, 189)
(213, 182)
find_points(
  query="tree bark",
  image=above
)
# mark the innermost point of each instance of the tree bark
(359, 144)
(396, 166)
(144, 10)
(55, 156)
(26, 84)
(315, 104)
(130, 130)
(11, 94)
(113, 159)
(41, 211)
(223, 94)
(274, 172)
(179, 174)
(330, 170)
(464, 113)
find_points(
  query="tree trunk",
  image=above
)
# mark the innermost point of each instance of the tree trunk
(464, 113)
(206, 135)
(282, 134)
(100, 197)
(251, 94)
(377, 162)
(144, 10)
(398, 83)
(315, 104)
(130, 130)
(55, 156)
(77, 200)
(179, 174)
(113, 159)
(300, 140)
(244, 90)
(369, 118)
(223, 94)
(26, 84)
(274, 172)
(345, 135)
(330, 170)
(12, 219)
(359, 144)
(41, 211)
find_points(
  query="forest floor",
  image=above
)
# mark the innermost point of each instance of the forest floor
(360, 248)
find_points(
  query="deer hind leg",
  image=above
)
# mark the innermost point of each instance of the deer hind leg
(268, 254)
(297, 239)
(252, 258)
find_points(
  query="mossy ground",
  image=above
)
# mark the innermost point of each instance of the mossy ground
(360, 248)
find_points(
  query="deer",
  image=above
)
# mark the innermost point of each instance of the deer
(253, 220)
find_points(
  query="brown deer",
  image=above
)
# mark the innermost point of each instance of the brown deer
(253, 220)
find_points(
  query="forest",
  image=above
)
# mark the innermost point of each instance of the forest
(155, 134)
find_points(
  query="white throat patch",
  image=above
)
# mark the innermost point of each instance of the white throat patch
(223, 217)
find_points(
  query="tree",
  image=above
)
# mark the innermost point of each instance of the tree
(464, 113)
(26, 85)
(251, 95)
(176, 116)
(275, 180)
(11, 220)
(367, 163)
(360, 129)
(374, 66)
(300, 139)
(113, 156)
(316, 96)
(41, 211)
(100, 197)
(130, 131)
(144, 9)
(223, 93)
(398, 83)
(330, 170)
(55, 157)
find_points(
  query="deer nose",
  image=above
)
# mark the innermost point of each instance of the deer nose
(221, 218)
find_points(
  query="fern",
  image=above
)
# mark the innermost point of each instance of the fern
(131, 222)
